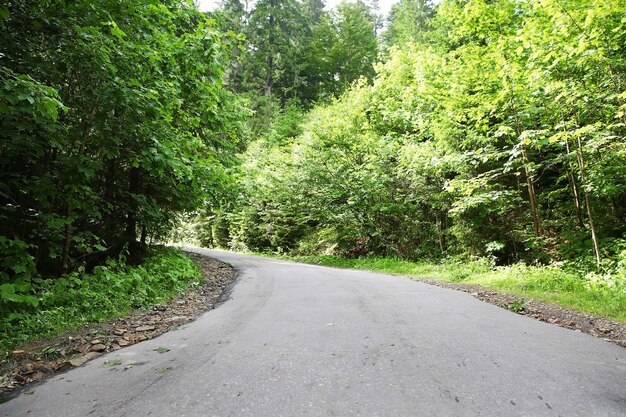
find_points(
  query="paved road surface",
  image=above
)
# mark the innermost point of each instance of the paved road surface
(299, 340)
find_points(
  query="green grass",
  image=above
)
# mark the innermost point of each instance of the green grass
(603, 296)
(108, 292)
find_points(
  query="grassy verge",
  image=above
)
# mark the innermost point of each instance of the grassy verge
(109, 291)
(604, 295)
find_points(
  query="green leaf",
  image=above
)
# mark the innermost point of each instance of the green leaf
(4, 14)
(116, 31)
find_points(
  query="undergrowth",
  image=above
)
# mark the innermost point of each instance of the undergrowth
(111, 290)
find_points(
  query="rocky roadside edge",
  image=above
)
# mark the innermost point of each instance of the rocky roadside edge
(42, 359)
(609, 330)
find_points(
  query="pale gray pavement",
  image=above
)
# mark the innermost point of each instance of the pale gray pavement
(297, 340)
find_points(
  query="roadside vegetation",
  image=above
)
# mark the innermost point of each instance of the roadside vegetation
(603, 295)
(110, 290)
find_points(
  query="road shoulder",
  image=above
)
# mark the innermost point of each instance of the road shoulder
(42, 359)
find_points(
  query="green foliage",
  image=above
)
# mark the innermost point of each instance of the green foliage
(110, 290)
(295, 52)
(496, 132)
(114, 122)
(356, 47)
(17, 273)
(517, 306)
(612, 282)
(408, 22)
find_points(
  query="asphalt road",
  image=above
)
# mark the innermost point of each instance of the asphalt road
(297, 340)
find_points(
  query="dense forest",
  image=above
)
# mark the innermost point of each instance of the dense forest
(457, 130)
(490, 129)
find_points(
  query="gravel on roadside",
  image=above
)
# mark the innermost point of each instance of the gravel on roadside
(609, 330)
(42, 359)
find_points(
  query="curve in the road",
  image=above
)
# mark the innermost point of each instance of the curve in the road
(299, 340)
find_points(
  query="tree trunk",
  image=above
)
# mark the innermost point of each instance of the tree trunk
(441, 226)
(131, 217)
(109, 195)
(581, 165)
(574, 185)
(530, 180)
(532, 196)
(144, 236)
(67, 242)
(269, 80)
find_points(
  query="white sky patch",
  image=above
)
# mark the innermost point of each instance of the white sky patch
(385, 5)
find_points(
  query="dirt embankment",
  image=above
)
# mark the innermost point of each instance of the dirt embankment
(42, 359)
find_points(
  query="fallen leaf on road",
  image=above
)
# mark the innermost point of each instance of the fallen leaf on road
(82, 359)
(111, 363)
(98, 348)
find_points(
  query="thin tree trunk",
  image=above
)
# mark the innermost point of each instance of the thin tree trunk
(269, 80)
(67, 242)
(530, 180)
(109, 196)
(532, 196)
(441, 225)
(581, 165)
(144, 235)
(574, 185)
(131, 217)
